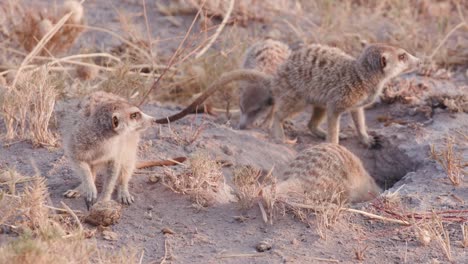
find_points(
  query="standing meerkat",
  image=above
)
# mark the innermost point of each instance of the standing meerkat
(330, 80)
(264, 56)
(335, 82)
(105, 135)
(327, 169)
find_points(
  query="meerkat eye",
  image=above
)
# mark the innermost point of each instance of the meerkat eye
(135, 115)
(402, 57)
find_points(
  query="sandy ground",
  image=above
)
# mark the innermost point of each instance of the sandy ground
(213, 235)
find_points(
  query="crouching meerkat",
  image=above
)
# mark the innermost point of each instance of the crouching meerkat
(330, 80)
(264, 56)
(105, 135)
(326, 169)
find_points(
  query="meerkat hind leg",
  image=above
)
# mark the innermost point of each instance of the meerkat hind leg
(112, 178)
(318, 115)
(360, 124)
(333, 120)
(286, 107)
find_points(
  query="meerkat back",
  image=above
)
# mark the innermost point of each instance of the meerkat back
(264, 56)
(326, 169)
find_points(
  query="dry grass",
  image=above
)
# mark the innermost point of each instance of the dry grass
(46, 237)
(325, 206)
(248, 184)
(28, 107)
(451, 161)
(28, 25)
(464, 230)
(244, 11)
(201, 180)
(441, 236)
(419, 26)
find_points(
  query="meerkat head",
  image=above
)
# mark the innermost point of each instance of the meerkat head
(253, 102)
(122, 118)
(390, 61)
(367, 189)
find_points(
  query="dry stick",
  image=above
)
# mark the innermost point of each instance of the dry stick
(70, 211)
(41, 44)
(148, 31)
(445, 38)
(116, 35)
(218, 31)
(172, 59)
(374, 216)
(239, 255)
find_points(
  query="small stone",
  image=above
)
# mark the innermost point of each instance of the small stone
(167, 230)
(109, 235)
(227, 150)
(263, 246)
(154, 179)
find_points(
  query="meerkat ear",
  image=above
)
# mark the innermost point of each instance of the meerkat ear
(383, 61)
(115, 121)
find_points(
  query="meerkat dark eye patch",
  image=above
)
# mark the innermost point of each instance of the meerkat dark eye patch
(402, 57)
(135, 115)
(115, 122)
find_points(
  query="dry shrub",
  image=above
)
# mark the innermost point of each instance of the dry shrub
(247, 185)
(243, 12)
(201, 181)
(195, 75)
(29, 25)
(451, 161)
(125, 83)
(45, 237)
(454, 102)
(326, 208)
(325, 203)
(405, 91)
(27, 108)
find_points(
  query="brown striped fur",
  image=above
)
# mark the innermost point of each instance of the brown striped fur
(334, 82)
(264, 56)
(325, 169)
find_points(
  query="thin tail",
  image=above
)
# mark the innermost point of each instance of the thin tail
(236, 75)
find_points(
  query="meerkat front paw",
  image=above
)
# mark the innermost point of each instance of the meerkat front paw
(372, 142)
(125, 197)
(90, 197)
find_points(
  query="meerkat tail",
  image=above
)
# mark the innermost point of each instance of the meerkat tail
(248, 75)
(159, 163)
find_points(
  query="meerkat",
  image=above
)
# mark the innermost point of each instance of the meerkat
(334, 82)
(105, 136)
(327, 169)
(330, 80)
(264, 56)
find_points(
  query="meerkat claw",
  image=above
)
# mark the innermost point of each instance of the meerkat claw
(90, 202)
(377, 144)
